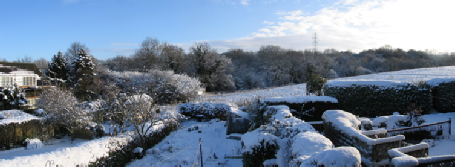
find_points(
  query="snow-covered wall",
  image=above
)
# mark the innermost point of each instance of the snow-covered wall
(342, 128)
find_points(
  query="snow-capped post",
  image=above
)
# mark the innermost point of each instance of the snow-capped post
(200, 149)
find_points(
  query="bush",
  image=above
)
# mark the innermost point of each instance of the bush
(308, 111)
(315, 84)
(370, 100)
(260, 154)
(16, 133)
(208, 110)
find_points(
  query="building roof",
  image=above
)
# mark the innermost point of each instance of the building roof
(7, 68)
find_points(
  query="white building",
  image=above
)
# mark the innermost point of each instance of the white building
(22, 74)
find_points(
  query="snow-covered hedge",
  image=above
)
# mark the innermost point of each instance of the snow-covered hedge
(340, 156)
(206, 110)
(372, 98)
(304, 145)
(165, 86)
(307, 108)
(443, 94)
(258, 147)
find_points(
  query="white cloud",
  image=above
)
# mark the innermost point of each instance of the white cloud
(244, 2)
(407, 24)
(268, 22)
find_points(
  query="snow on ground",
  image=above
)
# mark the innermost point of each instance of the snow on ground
(181, 147)
(62, 152)
(15, 116)
(241, 97)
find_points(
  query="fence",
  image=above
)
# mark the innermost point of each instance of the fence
(441, 129)
(317, 125)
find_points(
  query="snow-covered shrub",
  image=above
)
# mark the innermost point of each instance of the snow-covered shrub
(256, 110)
(307, 108)
(165, 87)
(208, 110)
(12, 97)
(372, 98)
(33, 143)
(443, 90)
(315, 84)
(258, 147)
(305, 144)
(340, 156)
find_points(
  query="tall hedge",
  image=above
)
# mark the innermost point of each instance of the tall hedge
(371, 101)
(444, 97)
(16, 133)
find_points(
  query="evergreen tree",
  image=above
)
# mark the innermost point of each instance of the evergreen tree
(81, 75)
(58, 67)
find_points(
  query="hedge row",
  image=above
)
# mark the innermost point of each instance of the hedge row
(444, 97)
(370, 101)
(207, 110)
(16, 133)
(307, 111)
(126, 154)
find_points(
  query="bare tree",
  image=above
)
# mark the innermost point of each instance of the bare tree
(60, 107)
(26, 59)
(73, 51)
(41, 63)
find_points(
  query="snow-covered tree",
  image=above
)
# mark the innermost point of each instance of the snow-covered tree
(12, 97)
(81, 75)
(58, 67)
(211, 68)
(60, 107)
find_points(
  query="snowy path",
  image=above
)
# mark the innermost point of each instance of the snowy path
(182, 147)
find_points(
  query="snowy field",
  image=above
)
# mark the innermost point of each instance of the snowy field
(181, 147)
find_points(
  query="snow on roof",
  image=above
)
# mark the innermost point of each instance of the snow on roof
(15, 116)
(360, 82)
(238, 112)
(301, 99)
(304, 145)
(437, 81)
(348, 123)
(340, 156)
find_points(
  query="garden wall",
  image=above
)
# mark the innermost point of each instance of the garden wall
(342, 129)
(372, 98)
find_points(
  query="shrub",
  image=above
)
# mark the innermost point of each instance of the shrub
(208, 110)
(315, 84)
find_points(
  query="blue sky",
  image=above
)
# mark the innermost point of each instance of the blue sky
(108, 27)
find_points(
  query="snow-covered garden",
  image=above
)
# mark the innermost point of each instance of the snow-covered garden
(288, 141)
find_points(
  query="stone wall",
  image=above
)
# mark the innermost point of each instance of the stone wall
(374, 153)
